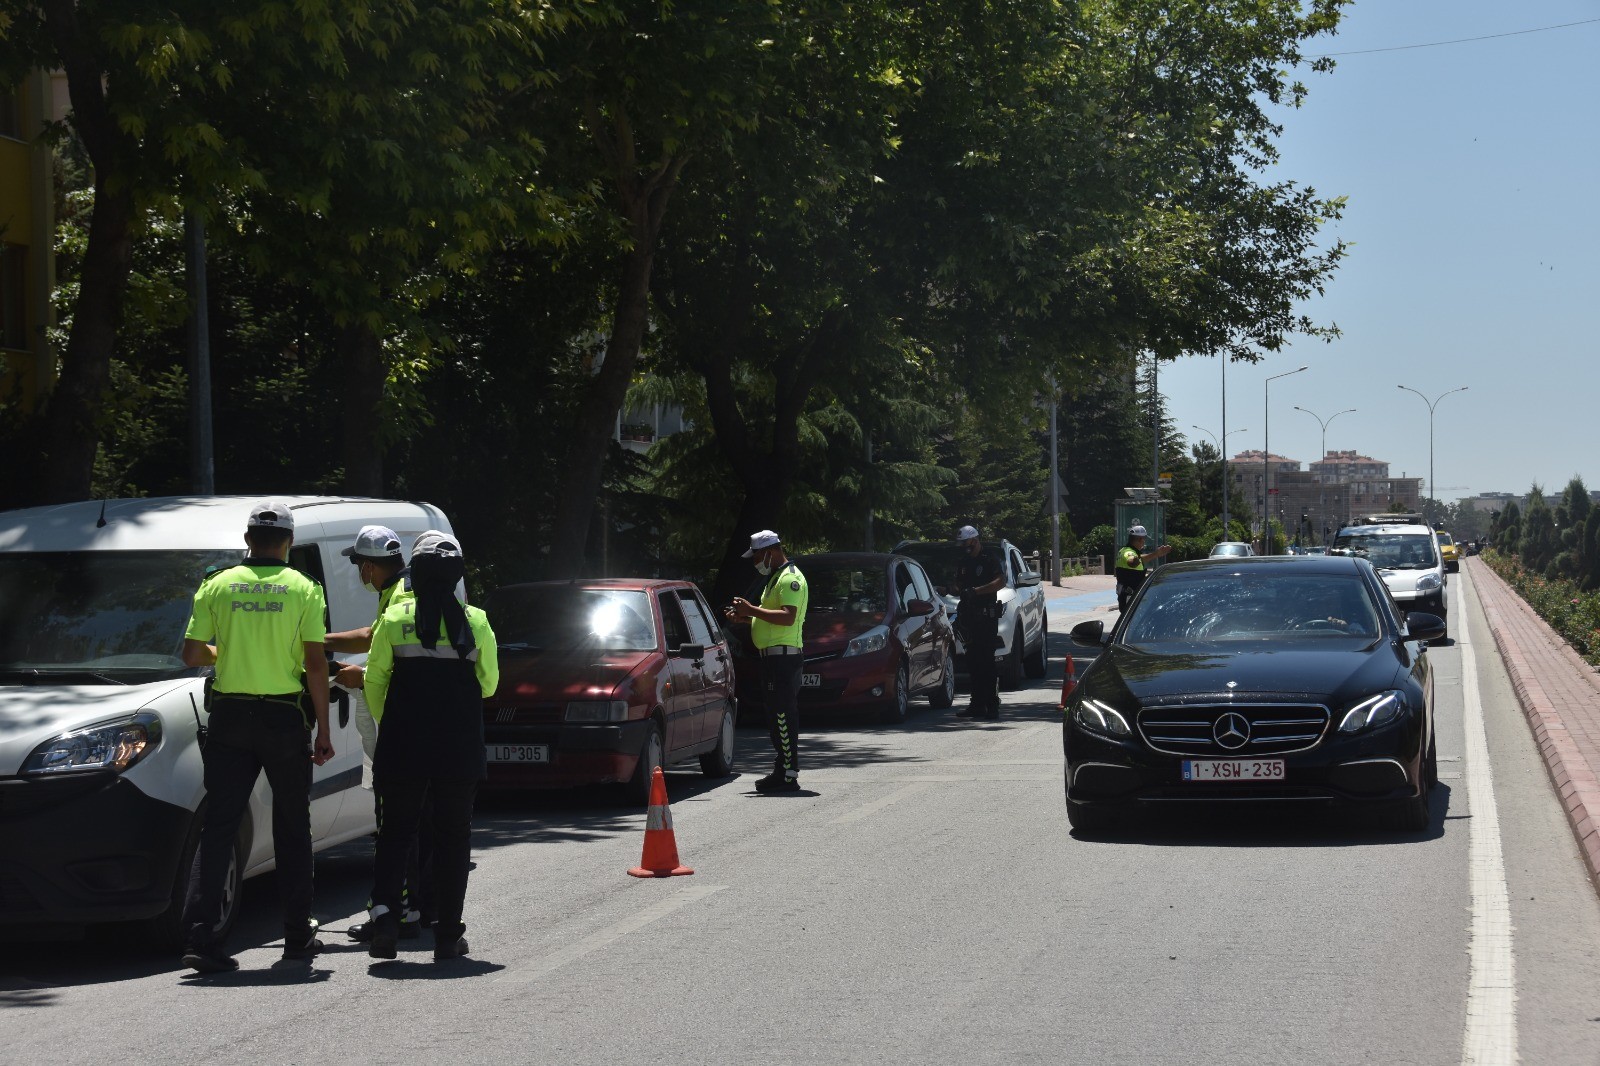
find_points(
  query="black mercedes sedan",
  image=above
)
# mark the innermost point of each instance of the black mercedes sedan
(1239, 679)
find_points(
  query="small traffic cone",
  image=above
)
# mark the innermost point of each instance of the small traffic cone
(660, 858)
(1068, 683)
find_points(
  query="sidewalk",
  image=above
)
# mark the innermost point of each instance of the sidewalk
(1560, 695)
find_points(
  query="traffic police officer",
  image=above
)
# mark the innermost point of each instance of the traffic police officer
(980, 575)
(1130, 568)
(382, 569)
(261, 625)
(775, 629)
(433, 661)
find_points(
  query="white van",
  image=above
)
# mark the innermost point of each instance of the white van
(1406, 556)
(100, 773)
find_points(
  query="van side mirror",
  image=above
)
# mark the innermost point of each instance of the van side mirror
(919, 608)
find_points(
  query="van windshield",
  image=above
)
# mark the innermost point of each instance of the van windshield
(1392, 551)
(98, 617)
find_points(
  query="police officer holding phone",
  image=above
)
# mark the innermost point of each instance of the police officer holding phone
(261, 624)
(776, 627)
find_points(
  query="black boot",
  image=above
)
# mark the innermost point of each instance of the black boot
(449, 943)
(385, 936)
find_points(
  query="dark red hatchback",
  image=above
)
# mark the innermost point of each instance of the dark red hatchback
(603, 680)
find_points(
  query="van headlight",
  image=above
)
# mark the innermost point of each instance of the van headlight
(1373, 711)
(114, 746)
(874, 639)
(1097, 716)
(1427, 582)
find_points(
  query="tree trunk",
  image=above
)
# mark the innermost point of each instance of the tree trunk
(70, 413)
(359, 427)
(71, 432)
(645, 204)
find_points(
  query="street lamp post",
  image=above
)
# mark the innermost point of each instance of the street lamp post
(1222, 450)
(1322, 492)
(1266, 453)
(1431, 405)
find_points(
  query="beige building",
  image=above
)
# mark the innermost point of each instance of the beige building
(1338, 488)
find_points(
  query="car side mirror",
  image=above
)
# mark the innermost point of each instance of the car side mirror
(1027, 579)
(1421, 625)
(919, 608)
(1089, 633)
(690, 651)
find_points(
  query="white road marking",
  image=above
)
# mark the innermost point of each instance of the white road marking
(1491, 1033)
(603, 938)
(868, 809)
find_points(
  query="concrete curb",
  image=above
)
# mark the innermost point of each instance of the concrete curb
(1560, 695)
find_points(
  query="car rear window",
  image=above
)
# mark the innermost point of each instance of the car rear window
(1392, 551)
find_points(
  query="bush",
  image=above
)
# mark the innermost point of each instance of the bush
(1571, 612)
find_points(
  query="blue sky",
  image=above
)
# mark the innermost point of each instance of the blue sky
(1473, 177)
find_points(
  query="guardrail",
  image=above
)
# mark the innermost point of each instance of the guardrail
(1082, 564)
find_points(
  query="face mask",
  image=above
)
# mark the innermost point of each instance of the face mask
(367, 584)
(763, 567)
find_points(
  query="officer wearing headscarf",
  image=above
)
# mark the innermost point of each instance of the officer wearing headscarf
(980, 575)
(433, 660)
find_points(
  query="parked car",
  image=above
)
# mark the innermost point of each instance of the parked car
(604, 679)
(1448, 551)
(1020, 645)
(1258, 679)
(1406, 556)
(1317, 549)
(100, 773)
(876, 637)
(1232, 549)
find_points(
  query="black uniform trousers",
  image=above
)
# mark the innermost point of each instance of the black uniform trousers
(980, 632)
(245, 737)
(780, 684)
(401, 800)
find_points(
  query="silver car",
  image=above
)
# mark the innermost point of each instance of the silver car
(1023, 623)
(1234, 548)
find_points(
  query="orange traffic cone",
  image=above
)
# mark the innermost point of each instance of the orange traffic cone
(660, 858)
(1068, 683)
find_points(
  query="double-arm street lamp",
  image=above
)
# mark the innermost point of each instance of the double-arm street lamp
(1431, 405)
(1322, 493)
(1222, 450)
(1266, 453)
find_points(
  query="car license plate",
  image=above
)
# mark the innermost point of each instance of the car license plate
(518, 752)
(810, 680)
(1233, 770)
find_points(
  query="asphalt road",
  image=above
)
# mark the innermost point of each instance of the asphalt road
(922, 901)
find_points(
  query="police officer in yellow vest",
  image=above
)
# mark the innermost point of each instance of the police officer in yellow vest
(380, 565)
(433, 661)
(775, 629)
(1131, 560)
(261, 624)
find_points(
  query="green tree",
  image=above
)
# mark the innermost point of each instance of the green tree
(1538, 544)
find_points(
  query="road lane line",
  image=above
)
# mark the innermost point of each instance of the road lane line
(1491, 1031)
(610, 935)
(869, 809)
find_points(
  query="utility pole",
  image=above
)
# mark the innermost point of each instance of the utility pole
(202, 467)
(1055, 489)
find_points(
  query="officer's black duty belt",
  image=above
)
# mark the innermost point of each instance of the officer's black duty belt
(780, 649)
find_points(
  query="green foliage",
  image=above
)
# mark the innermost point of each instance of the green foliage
(1571, 611)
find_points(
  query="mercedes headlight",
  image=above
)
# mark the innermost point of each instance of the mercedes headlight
(874, 639)
(1427, 582)
(1097, 716)
(114, 746)
(597, 711)
(1373, 711)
